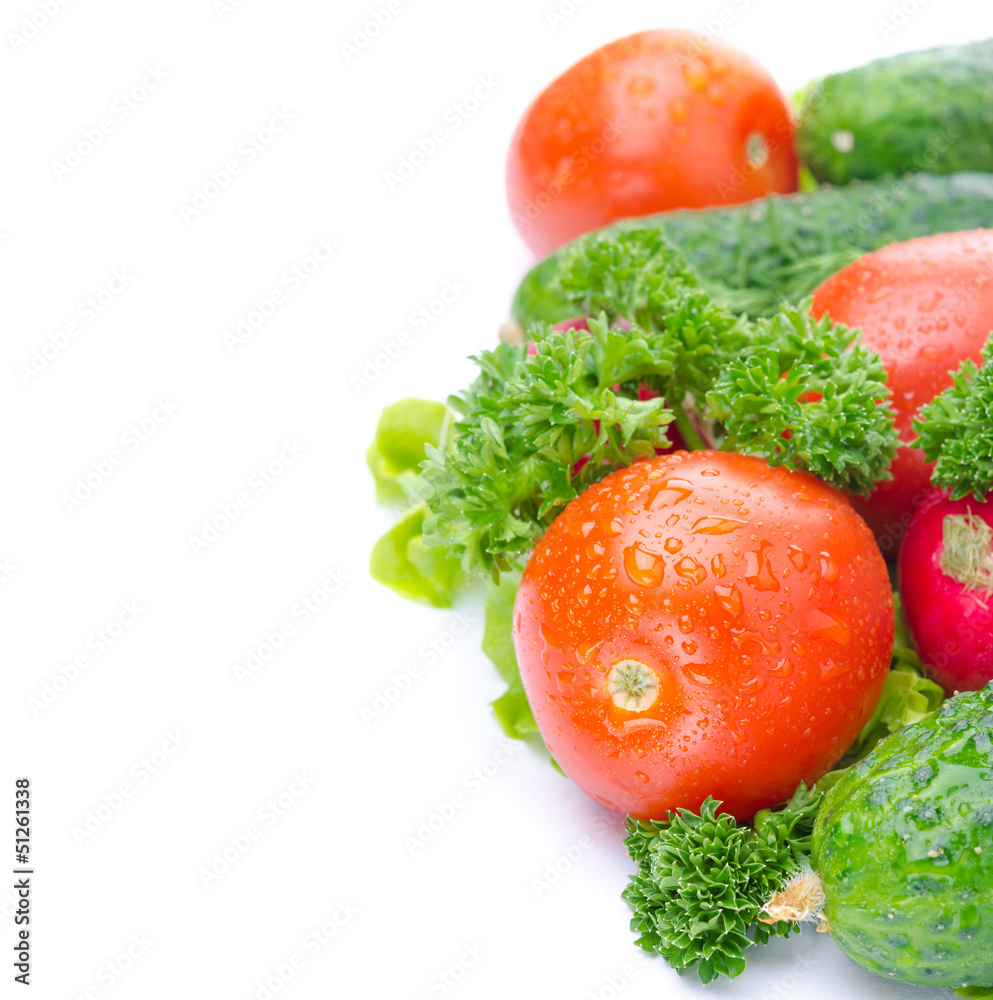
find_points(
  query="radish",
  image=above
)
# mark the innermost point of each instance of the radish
(946, 586)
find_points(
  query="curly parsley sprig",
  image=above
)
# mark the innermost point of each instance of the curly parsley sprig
(535, 429)
(956, 430)
(702, 880)
(806, 394)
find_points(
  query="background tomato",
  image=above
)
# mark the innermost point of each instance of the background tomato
(654, 121)
(925, 306)
(758, 606)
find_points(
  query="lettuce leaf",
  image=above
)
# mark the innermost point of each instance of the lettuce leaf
(397, 450)
(401, 561)
(512, 709)
(907, 697)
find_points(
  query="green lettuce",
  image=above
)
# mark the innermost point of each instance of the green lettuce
(512, 709)
(397, 450)
(401, 561)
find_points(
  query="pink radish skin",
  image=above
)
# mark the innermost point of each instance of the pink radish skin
(950, 624)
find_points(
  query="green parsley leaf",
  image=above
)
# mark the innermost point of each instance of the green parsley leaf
(536, 430)
(807, 395)
(700, 885)
(539, 426)
(956, 430)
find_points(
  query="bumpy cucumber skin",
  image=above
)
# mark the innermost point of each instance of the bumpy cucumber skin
(755, 246)
(930, 110)
(904, 846)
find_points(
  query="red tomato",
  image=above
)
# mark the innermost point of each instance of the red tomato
(702, 624)
(925, 305)
(654, 121)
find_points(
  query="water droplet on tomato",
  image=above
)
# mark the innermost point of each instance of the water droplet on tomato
(586, 651)
(696, 74)
(821, 625)
(641, 776)
(754, 684)
(935, 352)
(668, 493)
(829, 572)
(689, 647)
(700, 673)
(758, 572)
(783, 668)
(798, 557)
(690, 569)
(717, 525)
(729, 598)
(717, 566)
(644, 568)
(830, 669)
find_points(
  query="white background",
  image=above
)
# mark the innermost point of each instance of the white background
(341, 843)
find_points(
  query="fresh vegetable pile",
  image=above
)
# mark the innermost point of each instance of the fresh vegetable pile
(669, 500)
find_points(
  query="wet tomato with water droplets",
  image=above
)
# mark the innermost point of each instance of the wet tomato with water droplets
(655, 121)
(925, 306)
(703, 624)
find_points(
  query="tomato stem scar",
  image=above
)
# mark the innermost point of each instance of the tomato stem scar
(633, 685)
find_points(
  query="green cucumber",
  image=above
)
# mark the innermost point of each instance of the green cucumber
(930, 110)
(784, 246)
(903, 845)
